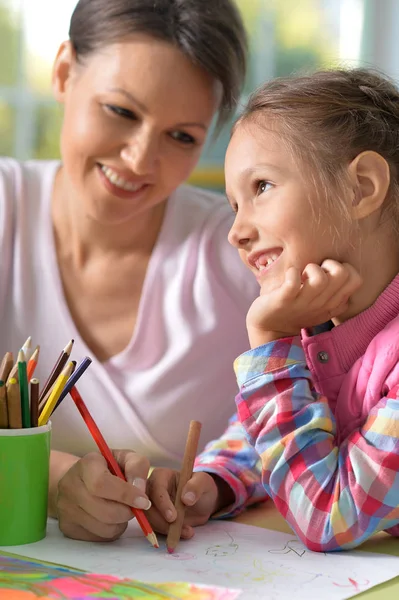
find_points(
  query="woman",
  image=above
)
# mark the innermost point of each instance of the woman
(109, 248)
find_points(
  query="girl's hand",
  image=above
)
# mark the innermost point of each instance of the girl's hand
(204, 494)
(304, 300)
(94, 505)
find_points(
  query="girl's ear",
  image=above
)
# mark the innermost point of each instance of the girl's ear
(370, 176)
(62, 70)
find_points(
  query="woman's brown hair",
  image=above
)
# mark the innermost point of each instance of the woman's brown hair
(328, 118)
(209, 32)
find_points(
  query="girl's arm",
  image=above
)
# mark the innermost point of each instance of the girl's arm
(237, 463)
(334, 497)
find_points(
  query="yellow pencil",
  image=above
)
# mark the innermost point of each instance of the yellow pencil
(55, 393)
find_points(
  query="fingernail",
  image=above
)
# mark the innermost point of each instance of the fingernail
(142, 503)
(189, 498)
(169, 515)
(139, 483)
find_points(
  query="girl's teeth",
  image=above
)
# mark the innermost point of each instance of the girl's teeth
(119, 181)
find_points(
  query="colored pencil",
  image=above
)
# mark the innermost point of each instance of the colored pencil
(23, 389)
(185, 474)
(5, 368)
(32, 363)
(43, 403)
(26, 347)
(59, 365)
(55, 393)
(34, 402)
(3, 406)
(14, 404)
(74, 378)
(14, 370)
(112, 463)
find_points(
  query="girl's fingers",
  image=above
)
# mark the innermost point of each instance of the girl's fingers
(159, 489)
(292, 283)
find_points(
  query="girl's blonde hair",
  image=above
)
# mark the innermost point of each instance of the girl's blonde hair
(327, 119)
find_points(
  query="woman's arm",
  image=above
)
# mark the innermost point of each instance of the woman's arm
(334, 497)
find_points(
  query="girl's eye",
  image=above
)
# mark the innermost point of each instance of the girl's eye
(184, 138)
(263, 186)
(121, 112)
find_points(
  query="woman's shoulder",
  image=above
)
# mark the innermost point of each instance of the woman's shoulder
(202, 219)
(194, 202)
(19, 178)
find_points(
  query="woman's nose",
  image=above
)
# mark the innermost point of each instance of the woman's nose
(242, 232)
(141, 154)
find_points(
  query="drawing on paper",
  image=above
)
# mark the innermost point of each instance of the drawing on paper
(22, 579)
(262, 563)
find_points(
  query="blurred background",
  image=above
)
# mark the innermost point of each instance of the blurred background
(286, 36)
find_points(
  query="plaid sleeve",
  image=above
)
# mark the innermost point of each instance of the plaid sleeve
(232, 458)
(334, 497)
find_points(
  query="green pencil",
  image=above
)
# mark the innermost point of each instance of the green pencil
(24, 389)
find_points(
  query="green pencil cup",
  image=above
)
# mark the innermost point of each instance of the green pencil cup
(24, 476)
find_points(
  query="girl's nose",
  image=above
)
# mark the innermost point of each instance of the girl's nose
(242, 232)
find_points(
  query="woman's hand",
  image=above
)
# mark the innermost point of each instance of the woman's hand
(94, 505)
(204, 494)
(305, 299)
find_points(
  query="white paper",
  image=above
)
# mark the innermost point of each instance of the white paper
(263, 563)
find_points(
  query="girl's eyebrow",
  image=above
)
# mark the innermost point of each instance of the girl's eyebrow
(259, 166)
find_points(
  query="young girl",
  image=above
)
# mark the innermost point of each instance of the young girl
(312, 175)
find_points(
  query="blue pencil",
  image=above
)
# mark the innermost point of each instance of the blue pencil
(76, 375)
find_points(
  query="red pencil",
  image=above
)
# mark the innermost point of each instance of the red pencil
(112, 464)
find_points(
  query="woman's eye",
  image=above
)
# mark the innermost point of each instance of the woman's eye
(121, 112)
(184, 138)
(263, 186)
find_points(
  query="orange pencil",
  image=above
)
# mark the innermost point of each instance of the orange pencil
(185, 474)
(32, 363)
(112, 464)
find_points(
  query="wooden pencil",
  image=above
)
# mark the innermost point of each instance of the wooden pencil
(59, 365)
(6, 366)
(55, 393)
(14, 404)
(3, 406)
(32, 363)
(34, 402)
(23, 389)
(186, 472)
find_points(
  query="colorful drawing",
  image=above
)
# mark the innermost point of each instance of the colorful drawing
(23, 579)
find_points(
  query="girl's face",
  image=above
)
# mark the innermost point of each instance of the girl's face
(136, 115)
(275, 225)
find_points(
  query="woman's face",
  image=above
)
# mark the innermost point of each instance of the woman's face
(136, 115)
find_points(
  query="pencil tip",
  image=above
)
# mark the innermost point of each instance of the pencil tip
(171, 550)
(21, 356)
